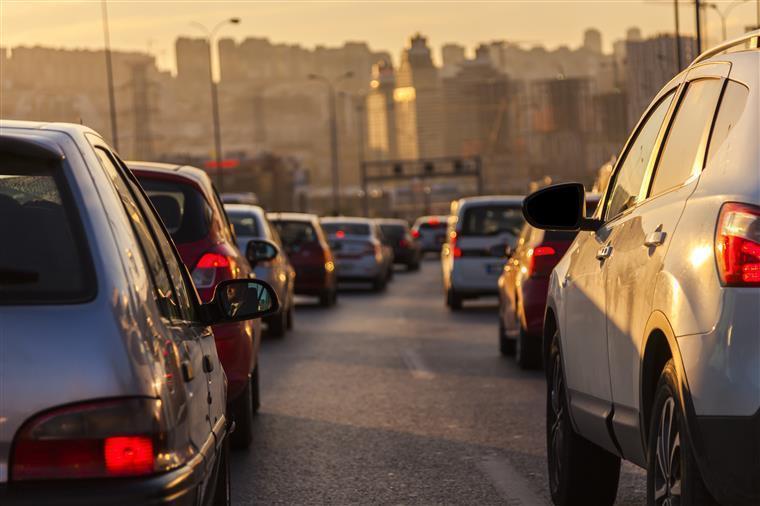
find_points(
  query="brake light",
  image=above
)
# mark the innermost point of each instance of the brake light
(541, 260)
(92, 440)
(416, 234)
(340, 234)
(737, 245)
(456, 250)
(434, 221)
(210, 269)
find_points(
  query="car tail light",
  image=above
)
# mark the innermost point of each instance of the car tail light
(340, 234)
(737, 245)
(541, 260)
(210, 269)
(456, 250)
(416, 234)
(92, 440)
(434, 222)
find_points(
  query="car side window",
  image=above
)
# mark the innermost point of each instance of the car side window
(164, 290)
(732, 106)
(624, 190)
(683, 152)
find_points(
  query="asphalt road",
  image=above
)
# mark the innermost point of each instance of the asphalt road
(392, 399)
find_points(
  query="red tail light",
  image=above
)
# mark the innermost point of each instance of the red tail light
(211, 269)
(340, 234)
(92, 440)
(416, 234)
(737, 245)
(456, 250)
(541, 260)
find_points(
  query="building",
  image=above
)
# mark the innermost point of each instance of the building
(192, 61)
(381, 137)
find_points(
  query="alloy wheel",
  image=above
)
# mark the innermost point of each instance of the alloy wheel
(667, 473)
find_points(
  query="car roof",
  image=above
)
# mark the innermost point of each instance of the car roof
(346, 219)
(187, 171)
(245, 209)
(70, 128)
(491, 199)
(305, 217)
(392, 221)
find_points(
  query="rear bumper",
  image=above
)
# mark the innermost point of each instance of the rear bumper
(312, 280)
(234, 345)
(405, 256)
(533, 293)
(179, 487)
(365, 268)
(469, 276)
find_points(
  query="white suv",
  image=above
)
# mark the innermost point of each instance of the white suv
(652, 325)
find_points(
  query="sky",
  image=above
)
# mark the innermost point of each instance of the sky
(152, 26)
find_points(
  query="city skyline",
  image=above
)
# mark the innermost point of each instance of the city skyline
(382, 25)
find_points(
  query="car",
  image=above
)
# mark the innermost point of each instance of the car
(360, 255)
(651, 331)
(189, 207)
(472, 258)
(250, 222)
(248, 198)
(523, 285)
(113, 392)
(308, 250)
(406, 248)
(430, 231)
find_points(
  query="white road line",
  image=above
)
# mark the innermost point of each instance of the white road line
(513, 487)
(416, 365)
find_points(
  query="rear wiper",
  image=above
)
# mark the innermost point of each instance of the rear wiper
(10, 276)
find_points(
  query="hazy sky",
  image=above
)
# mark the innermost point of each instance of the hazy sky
(386, 25)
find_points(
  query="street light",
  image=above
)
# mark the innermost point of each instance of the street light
(724, 14)
(333, 134)
(214, 94)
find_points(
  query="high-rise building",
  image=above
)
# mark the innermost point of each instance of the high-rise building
(592, 40)
(381, 116)
(452, 55)
(192, 61)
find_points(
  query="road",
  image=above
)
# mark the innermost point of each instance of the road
(392, 399)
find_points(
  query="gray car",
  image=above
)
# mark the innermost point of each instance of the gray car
(112, 392)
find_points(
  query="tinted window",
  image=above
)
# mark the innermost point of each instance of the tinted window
(436, 226)
(43, 257)
(184, 211)
(629, 176)
(346, 228)
(731, 108)
(295, 233)
(393, 232)
(492, 220)
(244, 223)
(682, 155)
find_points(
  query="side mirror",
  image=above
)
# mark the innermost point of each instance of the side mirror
(559, 207)
(240, 299)
(260, 250)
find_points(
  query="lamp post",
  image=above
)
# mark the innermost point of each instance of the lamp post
(724, 14)
(333, 134)
(214, 94)
(109, 77)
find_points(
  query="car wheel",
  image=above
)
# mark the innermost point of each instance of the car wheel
(278, 324)
(414, 266)
(672, 474)
(289, 317)
(222, 492)
(255, 395)
(379, 284)
(328, 297)
(506, 345)
(390, 273)
(242, 413)
(527, 350)
(453, 300)
(580, 472)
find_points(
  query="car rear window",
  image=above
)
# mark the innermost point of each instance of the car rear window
(44, 258)
(185, 213)
(294, 233)
(393, 232)
(346, 228)
(244, 223)
(492, 220)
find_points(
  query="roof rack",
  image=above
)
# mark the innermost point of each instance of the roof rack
(752, 37)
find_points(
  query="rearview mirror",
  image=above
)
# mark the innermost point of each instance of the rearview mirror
(240, 299)
(559, 207)
(260, 250)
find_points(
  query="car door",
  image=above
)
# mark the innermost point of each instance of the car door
(640, 239)
(584, 335)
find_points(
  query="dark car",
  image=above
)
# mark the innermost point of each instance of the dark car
(430, 231)
(309, 252)
(188, 204)
(523, 286)
(407, 250)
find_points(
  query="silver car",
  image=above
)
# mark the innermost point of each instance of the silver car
(360, 254)
(652, 325)
(251, 222)
(112, 392)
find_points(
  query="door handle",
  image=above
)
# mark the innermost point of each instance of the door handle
(604, 253)
(208, 364)
(187, 371)
(655, 239)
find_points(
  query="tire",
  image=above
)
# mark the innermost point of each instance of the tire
(379, 284)
(242, 414)
(289, 317)
(527, 350)
(453, 300)
(506, 345)
(389, 276)
(277, 325)
(413, 267)
(580, 472)
(222, 495)
(255, 391)
(666, 437)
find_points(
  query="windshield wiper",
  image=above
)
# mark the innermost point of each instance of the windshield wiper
(10, 276)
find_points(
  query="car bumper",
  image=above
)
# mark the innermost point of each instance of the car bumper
(179, 487)
(476, 276)
(234, 345)
(312, 280)
(366, 268)
(405, 256)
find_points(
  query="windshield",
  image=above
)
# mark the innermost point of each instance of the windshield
(492, 220)
(185, 213)
(43, 258)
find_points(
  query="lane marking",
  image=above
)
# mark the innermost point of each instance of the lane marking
(512, 486)
(416, 365)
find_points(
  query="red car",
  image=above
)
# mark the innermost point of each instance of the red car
(523, 287)
(190, 208)
(309, 252)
